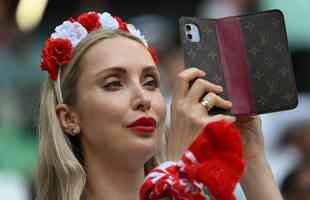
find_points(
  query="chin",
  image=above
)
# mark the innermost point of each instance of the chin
(144, 148)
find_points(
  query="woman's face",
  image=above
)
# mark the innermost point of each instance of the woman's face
(119, 84)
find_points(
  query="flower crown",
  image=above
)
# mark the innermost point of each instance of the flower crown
(58, 49)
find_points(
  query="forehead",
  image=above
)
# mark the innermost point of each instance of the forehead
(118, 51)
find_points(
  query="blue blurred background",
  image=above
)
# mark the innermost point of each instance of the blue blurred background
(25, 24)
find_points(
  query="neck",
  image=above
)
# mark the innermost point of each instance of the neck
(110, 180)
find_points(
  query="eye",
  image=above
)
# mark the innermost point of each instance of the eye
(112, 85)
(151, 82)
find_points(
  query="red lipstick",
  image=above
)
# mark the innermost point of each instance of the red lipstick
(143, 125)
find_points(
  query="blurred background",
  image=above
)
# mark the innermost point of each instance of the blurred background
(25, 24)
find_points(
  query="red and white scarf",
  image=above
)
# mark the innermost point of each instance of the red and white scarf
(209, 169)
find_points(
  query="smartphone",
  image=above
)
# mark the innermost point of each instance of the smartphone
(248, 55)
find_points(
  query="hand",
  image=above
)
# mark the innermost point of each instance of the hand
(253, 141)
(188, 115)
(258, 182)
(252, 137)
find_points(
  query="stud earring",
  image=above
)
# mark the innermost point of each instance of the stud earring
(75, 131)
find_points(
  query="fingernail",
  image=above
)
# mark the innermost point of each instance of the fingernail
(233, 118)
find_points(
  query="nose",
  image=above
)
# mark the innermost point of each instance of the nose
(141, 100)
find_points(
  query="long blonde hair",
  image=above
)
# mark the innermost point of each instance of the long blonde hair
(61, 175)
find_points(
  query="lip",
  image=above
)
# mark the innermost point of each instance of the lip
(145, 125)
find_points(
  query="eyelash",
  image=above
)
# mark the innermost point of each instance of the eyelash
(153, 83)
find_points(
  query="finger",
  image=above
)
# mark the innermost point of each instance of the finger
(200, 88)
(215, 100)
(183, 80)
(220, 117)
(208, 101)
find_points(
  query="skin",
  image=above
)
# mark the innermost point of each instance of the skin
(109, 100)
(115, 155)
(189, 117)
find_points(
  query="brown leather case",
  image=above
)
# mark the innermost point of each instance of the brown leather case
(248, 55)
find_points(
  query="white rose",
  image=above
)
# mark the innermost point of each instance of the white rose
(108, 22)
(73, 31)
(132, 29)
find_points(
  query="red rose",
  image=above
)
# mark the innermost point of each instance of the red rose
(60, 50)
(50, 66)
(122, 24)
(56, 52)
(90, 21)
(154, 55)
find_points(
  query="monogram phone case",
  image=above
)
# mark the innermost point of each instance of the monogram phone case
(248, 55)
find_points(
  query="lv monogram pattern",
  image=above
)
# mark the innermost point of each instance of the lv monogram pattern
(267, 56)
(205, 54)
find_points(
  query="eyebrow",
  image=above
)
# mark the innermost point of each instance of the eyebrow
(122, 70)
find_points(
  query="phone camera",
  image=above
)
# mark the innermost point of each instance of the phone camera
(190, 36)
(188, 27)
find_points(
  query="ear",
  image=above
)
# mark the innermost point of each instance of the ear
(69, 119)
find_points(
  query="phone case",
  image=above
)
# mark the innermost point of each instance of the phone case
(248, 55)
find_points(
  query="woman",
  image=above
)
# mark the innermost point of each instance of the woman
(102, 115)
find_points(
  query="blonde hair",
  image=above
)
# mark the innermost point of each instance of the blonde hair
(61, 175)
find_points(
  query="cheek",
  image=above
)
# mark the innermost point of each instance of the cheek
(159, 106)
(100, 109)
